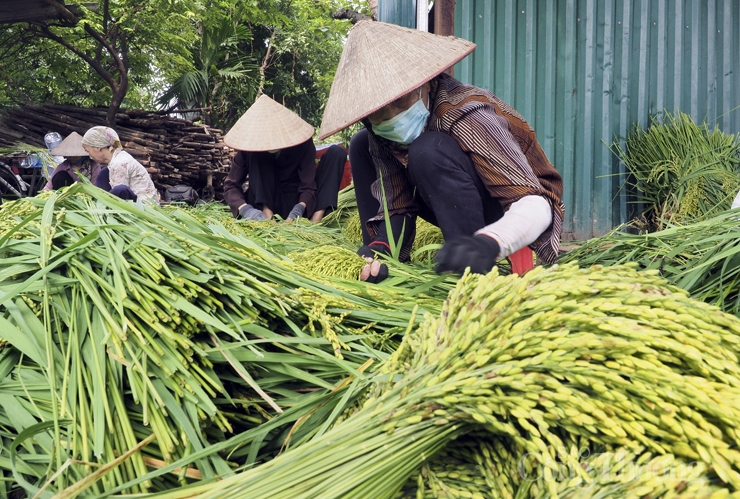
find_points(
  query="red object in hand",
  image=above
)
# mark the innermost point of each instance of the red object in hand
(521, 261)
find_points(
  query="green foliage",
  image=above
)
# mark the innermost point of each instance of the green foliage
(345, 135)
(214, 53)
(307, 53)
(36, 69)
(296, 46)
(216, 61)
(702, 258)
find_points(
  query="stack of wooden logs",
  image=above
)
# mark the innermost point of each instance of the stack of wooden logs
(174, 151)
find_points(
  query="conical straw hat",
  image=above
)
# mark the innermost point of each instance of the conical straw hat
(267, 126)
(70, 147)
(380, 63)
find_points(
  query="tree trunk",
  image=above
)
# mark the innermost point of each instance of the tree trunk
(115, 104)
(373, 8)
(119, 54)
(264, 65)
(120, 90)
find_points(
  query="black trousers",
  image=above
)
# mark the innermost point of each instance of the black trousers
(329, 174)
(122, 191)
(61, 179)
(281, 195)
(449, 192)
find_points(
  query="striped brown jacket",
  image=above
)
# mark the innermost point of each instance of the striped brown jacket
(502, 145)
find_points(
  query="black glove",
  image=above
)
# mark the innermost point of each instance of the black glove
(382, 274)
(296, 212)
(249, 212)
(371, 251)
(477, 252)
(374, 248)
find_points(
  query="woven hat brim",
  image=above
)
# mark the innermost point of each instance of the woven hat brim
(267, 126)
(381, 62)
(70, 147)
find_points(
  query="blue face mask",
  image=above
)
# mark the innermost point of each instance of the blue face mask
(406, 126)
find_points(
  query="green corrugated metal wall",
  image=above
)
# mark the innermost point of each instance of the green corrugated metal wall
(401, 12)
(582, 71)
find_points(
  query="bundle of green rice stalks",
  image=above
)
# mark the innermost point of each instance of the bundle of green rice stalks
(352, 229)
(702, 258)
(426, 243)
(145, 333)
(329, 261)
(278, 236)
(346, 206)
(682, 172)
(574, 370)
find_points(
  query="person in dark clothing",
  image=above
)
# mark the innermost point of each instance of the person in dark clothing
(77, 163)
(122, 191)
(286, 182)
(432, 146)
(276, 153)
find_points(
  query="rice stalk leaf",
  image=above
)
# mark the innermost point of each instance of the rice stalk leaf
(31, 431)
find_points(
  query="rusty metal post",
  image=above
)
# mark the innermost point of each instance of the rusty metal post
(444, 17)
(444, 21)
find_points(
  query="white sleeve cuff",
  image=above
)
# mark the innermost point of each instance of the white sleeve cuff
(521, 225)
(736, 202)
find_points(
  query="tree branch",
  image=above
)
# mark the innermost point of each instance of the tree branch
(14, 45)
(352, 15)
(265, 64)
(63, 11)
(46, 33)
(122, 69)
(118, 88)
(121, 87)
(124, 51)
(106, 16)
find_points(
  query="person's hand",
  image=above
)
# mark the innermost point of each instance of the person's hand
(373, 271)
(296, 212)
(477, 252)
(373, 249)
(249, 212)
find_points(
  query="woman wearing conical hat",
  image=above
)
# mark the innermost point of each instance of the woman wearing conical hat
(77, 163)
(276, 153)
(454, 154)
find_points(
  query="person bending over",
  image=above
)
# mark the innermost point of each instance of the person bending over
(123, 176)
(275, 151)
(454, 154)
(77, 164)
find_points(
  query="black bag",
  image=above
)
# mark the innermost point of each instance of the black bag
(181, 194)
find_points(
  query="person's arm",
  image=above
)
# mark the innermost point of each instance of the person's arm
(61, 167)
(507, 172)
(118, 173)
(520, 226)
(233, 193)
